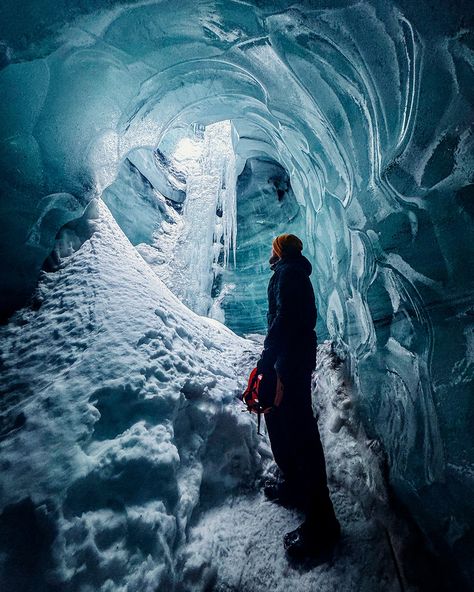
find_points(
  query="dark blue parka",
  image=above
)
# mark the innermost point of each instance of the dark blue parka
(290, 344)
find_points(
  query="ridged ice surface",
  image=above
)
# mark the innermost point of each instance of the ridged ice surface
(266, 207)
(367, 105)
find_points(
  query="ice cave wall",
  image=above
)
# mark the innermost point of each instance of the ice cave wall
(367, 105)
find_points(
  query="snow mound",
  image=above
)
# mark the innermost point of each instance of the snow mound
(121, 419)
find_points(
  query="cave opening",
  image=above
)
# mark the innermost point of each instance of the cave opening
(203, 216)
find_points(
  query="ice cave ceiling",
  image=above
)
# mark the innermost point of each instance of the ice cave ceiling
(362, 111)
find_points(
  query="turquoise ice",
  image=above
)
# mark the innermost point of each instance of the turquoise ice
(349, 123)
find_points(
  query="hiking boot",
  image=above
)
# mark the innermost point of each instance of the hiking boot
(300, 545)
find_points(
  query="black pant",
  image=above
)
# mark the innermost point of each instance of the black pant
(297, 450)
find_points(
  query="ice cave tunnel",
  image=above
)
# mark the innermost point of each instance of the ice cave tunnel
(150, 151)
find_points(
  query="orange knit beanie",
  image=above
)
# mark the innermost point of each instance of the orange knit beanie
(287, 244)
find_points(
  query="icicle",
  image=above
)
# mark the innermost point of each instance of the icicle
(196, 257)
(229, 209)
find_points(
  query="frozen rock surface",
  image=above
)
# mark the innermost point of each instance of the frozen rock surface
(189, 253)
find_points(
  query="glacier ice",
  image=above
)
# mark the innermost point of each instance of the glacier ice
(266, 207)
(191, 252)
(360, 112)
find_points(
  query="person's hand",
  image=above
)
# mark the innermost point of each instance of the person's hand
(279, 391)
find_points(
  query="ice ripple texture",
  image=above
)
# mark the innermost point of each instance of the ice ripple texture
(367, 105)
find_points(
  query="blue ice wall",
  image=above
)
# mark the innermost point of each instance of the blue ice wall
(266, 207)
(140, 194)
(369, 108)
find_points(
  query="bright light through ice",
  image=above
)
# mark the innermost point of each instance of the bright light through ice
(187, 149)
(209, 216)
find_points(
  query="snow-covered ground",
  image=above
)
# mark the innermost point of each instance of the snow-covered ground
(237, 545)
(126, 461)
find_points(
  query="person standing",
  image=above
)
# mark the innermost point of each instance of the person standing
(288, 360)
